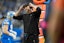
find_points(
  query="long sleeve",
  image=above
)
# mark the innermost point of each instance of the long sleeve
(20, 17)
(38, 12)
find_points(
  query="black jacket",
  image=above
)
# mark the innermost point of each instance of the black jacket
(30, 21)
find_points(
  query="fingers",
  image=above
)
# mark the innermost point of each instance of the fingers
(21, 7)
(31, 5)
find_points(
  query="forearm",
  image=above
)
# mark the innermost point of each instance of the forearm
(6, 32)
(19, 11)
(11, 31)
(5, 29)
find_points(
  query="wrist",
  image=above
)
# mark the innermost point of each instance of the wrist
(10, 34)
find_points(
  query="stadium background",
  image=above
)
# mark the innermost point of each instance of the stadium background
(8, 5)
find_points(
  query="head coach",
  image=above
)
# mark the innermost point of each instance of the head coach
(31, 20)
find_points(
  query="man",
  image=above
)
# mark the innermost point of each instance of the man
(7, 29)
(31, 19)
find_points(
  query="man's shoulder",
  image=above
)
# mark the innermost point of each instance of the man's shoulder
(6, 20)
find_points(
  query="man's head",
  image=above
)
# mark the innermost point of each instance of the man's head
(10, 14)
(27, 8)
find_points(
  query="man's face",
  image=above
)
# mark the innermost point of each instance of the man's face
(10, 18)
(28, 10)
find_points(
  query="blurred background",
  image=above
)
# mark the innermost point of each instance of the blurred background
(13, 5)
(47, 7)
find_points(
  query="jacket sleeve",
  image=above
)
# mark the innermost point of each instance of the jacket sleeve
(37, 12)
(20, 17)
